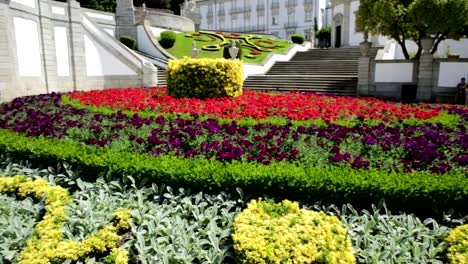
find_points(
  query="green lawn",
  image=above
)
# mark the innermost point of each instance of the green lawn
(183, 46)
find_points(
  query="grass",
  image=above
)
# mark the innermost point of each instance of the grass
(183, 47)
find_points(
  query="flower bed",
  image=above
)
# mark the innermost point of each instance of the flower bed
(295, 106)
(353, 161)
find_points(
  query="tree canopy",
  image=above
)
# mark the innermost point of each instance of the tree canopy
(414, 20)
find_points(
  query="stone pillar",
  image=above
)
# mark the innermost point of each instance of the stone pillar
(6, 70)
(49, 57)
(150, 75)
(125, 19)
(364, 69)
(425, 72)
(346, 24)
(77, 48)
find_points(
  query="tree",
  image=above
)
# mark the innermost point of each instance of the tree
(175, 6)
(160, 4)
(414, 20)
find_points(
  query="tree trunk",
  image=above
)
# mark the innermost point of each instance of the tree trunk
(439, 39)
(420, 49)
(403, 48)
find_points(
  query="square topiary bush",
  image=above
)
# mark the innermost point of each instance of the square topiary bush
(204, 78)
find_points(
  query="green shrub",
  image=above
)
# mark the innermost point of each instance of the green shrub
(458, 245)
(419, 192)
(297, 38)
(204, 78)
(324, 34)
(167, 39)
(128, 41)
(266, 232)
(226, 54)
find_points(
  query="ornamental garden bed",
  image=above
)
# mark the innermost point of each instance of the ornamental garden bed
(255, 48)
(117, 148)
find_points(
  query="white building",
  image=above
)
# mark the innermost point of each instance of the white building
(344, 31)
(278, 17)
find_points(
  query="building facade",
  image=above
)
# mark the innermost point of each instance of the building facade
(343, 24)
(278, 17)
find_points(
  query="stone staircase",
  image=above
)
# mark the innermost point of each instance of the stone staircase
(161, 77)
(323, 71)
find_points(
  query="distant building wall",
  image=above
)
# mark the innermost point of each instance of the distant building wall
(48, 46)
(278, 17)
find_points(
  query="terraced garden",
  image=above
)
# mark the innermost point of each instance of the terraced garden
(136, 176)
(210, 45)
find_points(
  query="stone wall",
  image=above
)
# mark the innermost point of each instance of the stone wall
(48, 46)
(165, 20)
(435, 80)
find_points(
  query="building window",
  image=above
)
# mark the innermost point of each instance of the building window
(261, 19)
(274, 20)
(291, 16)
(221, 23)
(308, 15)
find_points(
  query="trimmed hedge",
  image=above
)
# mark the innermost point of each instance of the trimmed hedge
(266, 232)
(415, 192)
(167, 39)
(204, 78)
(297, 38)
(128, 41)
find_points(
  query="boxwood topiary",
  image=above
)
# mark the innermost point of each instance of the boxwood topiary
(266, 232)
(297, 38)
(167, 39)
(128, 41)
(226, 54)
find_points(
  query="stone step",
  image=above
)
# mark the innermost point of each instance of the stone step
(305, 77)
(351, 92)
(161, 78)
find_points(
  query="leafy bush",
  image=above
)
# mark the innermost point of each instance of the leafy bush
(378, 236)
(167, 39)
(226, 54)
(17, 221)
(204, 78)
(128, 41)
(458, 245)
(297, 38)
(46, 244)
(324, 34)
(282, 233)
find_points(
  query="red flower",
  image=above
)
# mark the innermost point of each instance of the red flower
(296, 106)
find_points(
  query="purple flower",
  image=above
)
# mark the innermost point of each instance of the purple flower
(369, 140)
(359, 163)
(335, 149)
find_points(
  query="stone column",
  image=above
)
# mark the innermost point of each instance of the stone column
(364, 69)
(346, 24)
(6, 70)
(125, 19)
(49, 58)
(425, 72)
(77, 48)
